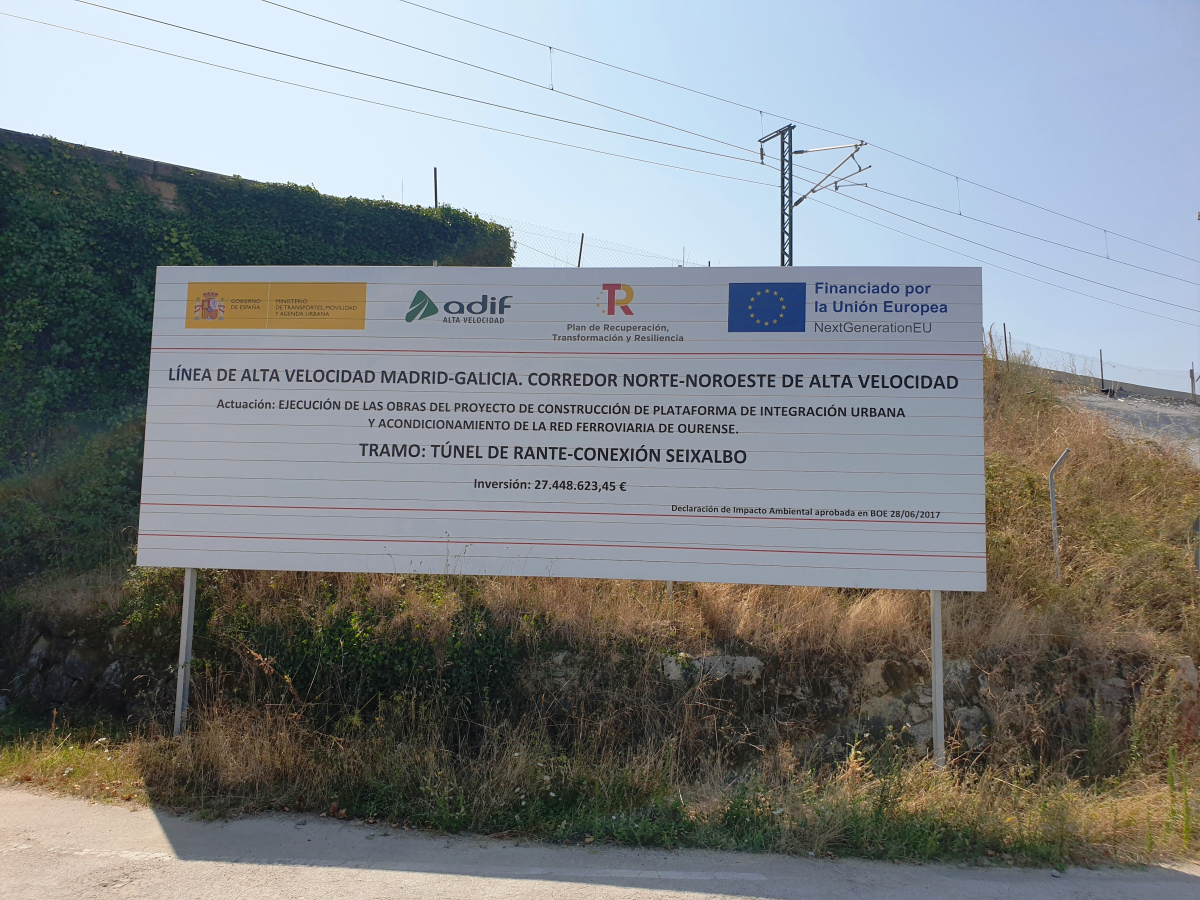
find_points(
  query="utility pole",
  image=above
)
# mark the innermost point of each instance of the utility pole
(786, 205)
(435, 202)
(785, 188)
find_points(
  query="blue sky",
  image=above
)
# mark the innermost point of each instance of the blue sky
(1089, 109)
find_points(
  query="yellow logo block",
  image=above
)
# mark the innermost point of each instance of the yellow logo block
(277, 305)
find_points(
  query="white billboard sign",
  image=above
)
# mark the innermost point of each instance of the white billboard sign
(809, 426)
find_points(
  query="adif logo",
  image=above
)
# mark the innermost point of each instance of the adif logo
(484, 311)
(422, 307)
(614, 301)
(478, 307)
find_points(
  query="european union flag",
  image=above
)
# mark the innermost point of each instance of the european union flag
(777, 306)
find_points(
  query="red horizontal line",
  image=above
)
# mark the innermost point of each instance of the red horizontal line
(275, 537)
(552, 352)
(552, 512)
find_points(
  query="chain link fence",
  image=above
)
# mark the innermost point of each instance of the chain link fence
(1089, 366)
(538, 245)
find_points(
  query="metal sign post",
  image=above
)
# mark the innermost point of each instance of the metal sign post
(187, 623)
(939, 704)
(1054, 514)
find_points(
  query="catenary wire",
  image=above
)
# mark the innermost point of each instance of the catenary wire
(988, 246)
(515, 78)
(576, 147)
(1047, 209)
(417, 112)
(745, 106)
(625, 112)
(1005, 268)
(1026, 234)
(407, 84)
(696, 134)
(1002, 228)
(1014, 256)
(635, 137)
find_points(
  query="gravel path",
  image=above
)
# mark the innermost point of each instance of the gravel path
(1166, 421)
(52, 847)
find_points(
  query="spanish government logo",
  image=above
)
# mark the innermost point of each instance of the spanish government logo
(210, 306)
(767, 307)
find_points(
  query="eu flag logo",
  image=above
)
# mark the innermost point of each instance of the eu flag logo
(778, 306)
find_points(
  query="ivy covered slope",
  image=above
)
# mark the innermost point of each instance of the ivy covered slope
(82, 230)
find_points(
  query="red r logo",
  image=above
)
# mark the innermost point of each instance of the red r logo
(614, 301)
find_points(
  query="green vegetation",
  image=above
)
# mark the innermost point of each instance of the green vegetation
(543, 706)
(77, 511)
(81, 235)
(82, 232)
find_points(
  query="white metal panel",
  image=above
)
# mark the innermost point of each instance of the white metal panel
(814, 457)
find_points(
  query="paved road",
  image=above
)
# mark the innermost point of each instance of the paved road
(52, 847)
(1175, 422)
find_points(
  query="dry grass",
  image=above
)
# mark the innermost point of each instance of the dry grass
(89, 762)
(569, 727)
(1129, 586)
(97, 592)
(877, 805)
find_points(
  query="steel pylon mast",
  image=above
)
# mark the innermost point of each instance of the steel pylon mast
(832, 180)
(785, 189)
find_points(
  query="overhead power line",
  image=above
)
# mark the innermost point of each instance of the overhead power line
(686, 131)
(407, 84)
(463, 62)
(1027, 234)
(990, 224)
(1005, 268)
(564, 248)
(1014, 256)
(584, 125)
(760, 111)
(380, 103)
(959, 237)
(1046, 209)
(385, 105)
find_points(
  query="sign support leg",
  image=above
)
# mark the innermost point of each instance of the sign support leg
(183, 676)
(939, 705)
